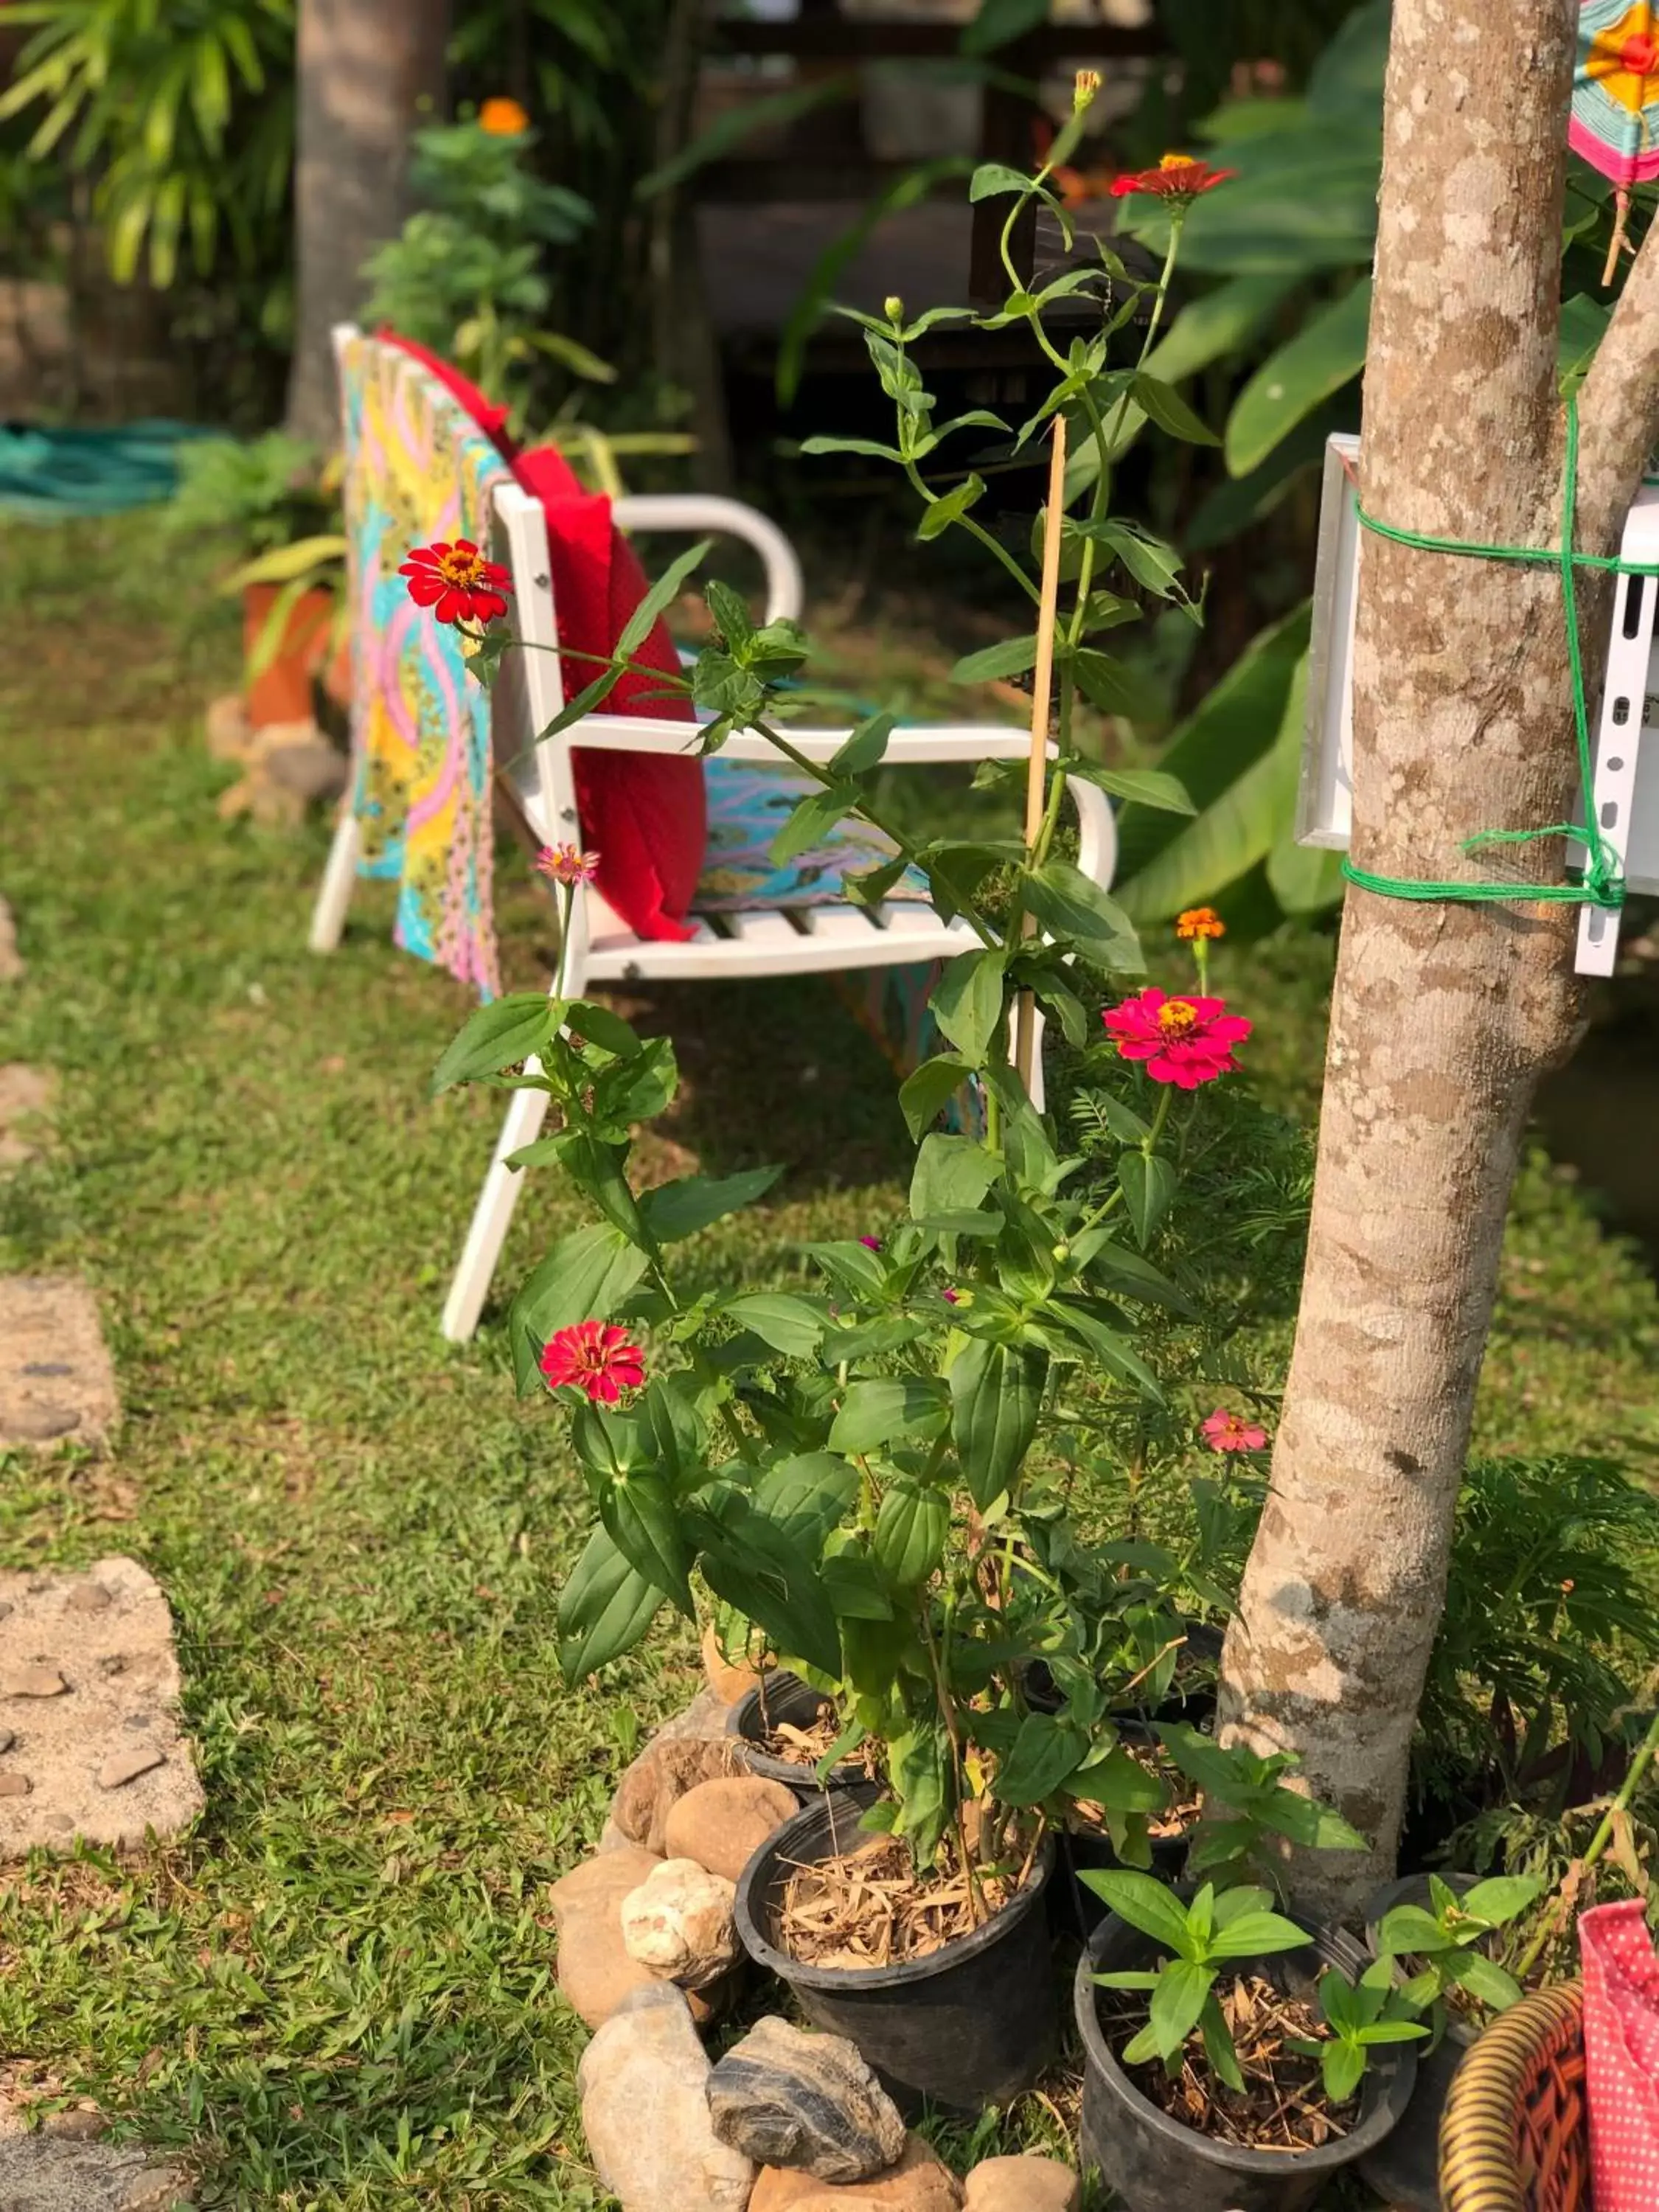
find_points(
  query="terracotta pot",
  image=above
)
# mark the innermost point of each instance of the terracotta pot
(281, 693)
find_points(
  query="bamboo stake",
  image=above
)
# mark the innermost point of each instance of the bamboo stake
(1043, 679)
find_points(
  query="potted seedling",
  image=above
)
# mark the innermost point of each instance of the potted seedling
(1235, 2061)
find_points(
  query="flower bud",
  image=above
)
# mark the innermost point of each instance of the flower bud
(893, 307)
(1085, 86)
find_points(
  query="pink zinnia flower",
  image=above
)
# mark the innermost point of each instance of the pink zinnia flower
(568, 864)
(870, 1243)
(952, 1298)
(1185, 1041)
(456, 581)
(1232, 1432)
(595, 1357)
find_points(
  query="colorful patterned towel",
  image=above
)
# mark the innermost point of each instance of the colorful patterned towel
(749, 802)
(1622, 2055)
(417, 469)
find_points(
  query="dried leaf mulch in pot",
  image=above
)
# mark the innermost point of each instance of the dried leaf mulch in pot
(869, 1909)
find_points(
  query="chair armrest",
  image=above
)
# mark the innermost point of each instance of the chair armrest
(948, 741)
(693, 512)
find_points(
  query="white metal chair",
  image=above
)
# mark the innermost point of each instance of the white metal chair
(726, 946)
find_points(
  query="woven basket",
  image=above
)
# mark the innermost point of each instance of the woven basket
(1514, 2136)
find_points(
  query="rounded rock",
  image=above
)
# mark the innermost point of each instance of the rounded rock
(920, 2182)
(722, 1824)
(1021, 2184)
(679, 1922)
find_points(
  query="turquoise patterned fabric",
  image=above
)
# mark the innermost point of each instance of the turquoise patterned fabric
(749, 802)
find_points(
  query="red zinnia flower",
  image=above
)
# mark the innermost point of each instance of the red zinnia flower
(1232, 1432)
(456, 582)
(1185, 1041)
(596, 1356)
(1177, 177)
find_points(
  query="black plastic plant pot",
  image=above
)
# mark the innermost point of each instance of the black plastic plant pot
(784, 1697)
(972, 2024)
(1154, 2163)
(1405, 2170)
(1089, 1850)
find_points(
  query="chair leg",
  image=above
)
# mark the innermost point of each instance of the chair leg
(339, 880)
(491, 1215)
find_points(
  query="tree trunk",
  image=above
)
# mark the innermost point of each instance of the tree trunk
(369, 72)
(1444, 1016)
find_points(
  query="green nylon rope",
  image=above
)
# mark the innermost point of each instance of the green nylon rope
(1603, 880)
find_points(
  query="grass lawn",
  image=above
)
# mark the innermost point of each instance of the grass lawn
(338, 1993)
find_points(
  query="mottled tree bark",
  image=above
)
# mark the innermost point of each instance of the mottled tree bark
(368, 72)
(1443, 1015)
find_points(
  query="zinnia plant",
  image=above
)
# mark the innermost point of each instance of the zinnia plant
(864, 1462)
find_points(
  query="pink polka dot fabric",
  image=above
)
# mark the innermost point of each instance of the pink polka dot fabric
(1621, 2055)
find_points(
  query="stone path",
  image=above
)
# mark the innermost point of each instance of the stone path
(89, 1738)
(57, 1384)
(11, 960)
(43, 2173)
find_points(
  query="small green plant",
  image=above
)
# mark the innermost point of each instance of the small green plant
(1360, 2015)
(1247, 1805)
(1444, 1940)
(1202, 1937)
(267, 492)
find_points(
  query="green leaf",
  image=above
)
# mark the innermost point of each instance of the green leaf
(1118, 1783)
(1176, 2003)
(793, 1326)
(1165, 405)
(996, 1392)
(1483, 1978)
(1111, 684)
(967, 1002)
(1149, 1185)
(909, 1533)
(1327, 351)
(1155, 566)
(1219, 2046)
(1235, 723)
(586, 1277)
(952, 1174)
(992, 179)
(1147, 786)
(951, 506)
(775, 1578)
(1143, 1903)
(1073, 907)
(1012, 657)
(811, 822)
(1220, 323)
(285, 563)
(1000, 20)
(882, 1410)
(679, 1209)
(1239, 829)
(658, 600)
(853, 1588)
(1407, 1930)
(638, 1513)
(927, 1089)
(808, 1495)
(851, 445)
(600, 1025)
(1342, 2068)
(1256, 1935)
(863, 751)
(498, 1035)
(604, 1608)
(1500, 1898)
(870, 889)
(1107, 1345)
(731, 616)
(1042, 1757)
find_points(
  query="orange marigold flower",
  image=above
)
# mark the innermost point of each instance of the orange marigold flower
(456, 582)
(503, 118)
(1178, 177)
(1199, 921)
(596, 1358)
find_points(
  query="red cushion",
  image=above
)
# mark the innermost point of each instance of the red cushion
(644, 814)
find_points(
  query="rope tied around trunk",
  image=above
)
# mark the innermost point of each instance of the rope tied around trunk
(1602, 881)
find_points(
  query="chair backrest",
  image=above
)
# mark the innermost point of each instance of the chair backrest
(417, 469)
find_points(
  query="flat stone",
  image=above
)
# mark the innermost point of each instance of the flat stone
(8, 1737)
(643, 2083)
(788, 2097)
(127, 1766)
(51, 1322)
(679, 1923)
(722, 1824)
(13, 1785)
(693, 1747)
(80, 2124)
(1021, 2184)
(27, 1096)
(31, 1682)
(920, 2182)
(71, 1744)
(90, 1597)
(11, 960)
(39, 2173)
